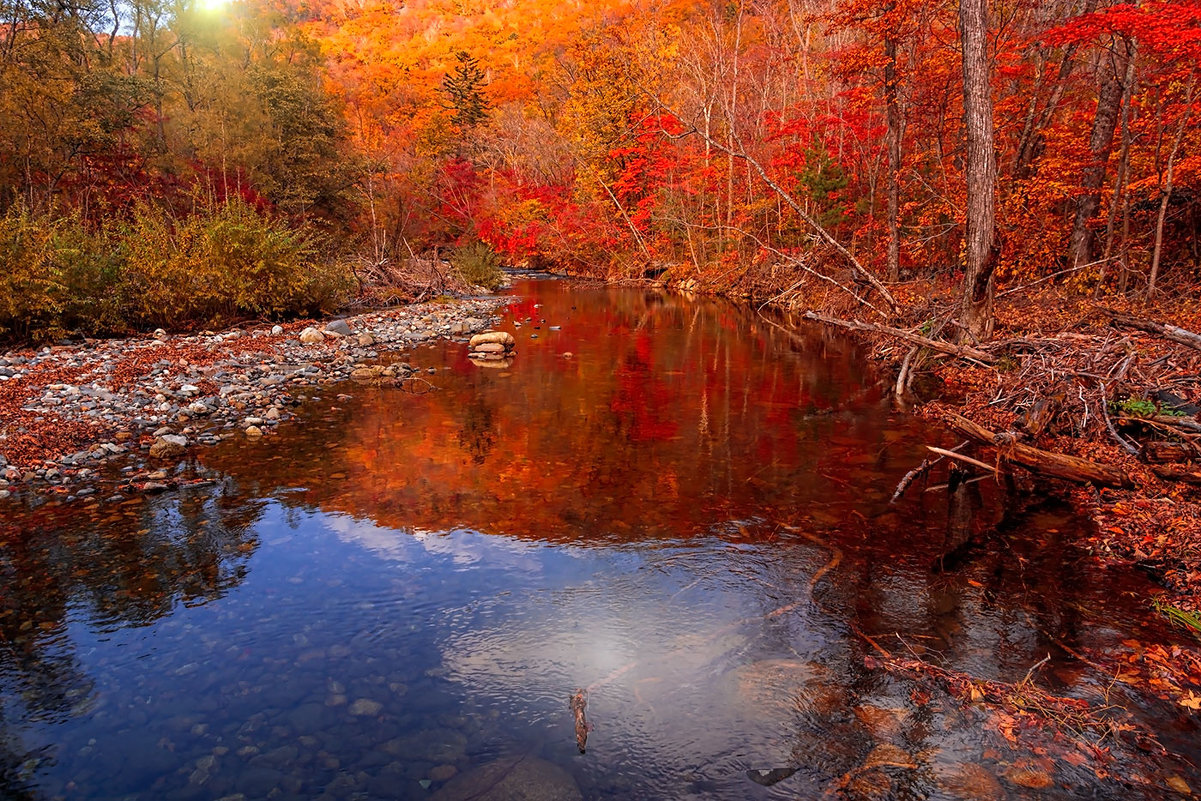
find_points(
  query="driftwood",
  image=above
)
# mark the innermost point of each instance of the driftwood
(1177, 473)
(961, 351)
(1036, 460)
(578, 704)
(1175, 333)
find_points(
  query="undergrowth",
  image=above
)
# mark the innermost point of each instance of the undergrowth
(217, 264)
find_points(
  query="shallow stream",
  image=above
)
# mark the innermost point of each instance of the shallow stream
(667, 503)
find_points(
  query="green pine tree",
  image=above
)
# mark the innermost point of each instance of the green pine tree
(465, 86)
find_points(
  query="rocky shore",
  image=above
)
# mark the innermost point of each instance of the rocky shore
(67, 411)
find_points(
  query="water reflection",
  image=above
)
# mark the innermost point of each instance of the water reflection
(670, 505)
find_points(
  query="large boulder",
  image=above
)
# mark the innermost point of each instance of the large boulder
(311, 336)
(524, 778)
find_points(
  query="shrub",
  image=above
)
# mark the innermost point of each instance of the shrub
(224, 262)
(478, 264)
(221, 263)
(55, 277)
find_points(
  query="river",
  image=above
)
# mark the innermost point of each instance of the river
(669, 504)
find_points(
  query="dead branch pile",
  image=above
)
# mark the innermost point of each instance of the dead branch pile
(400, 281)
(1082, 393)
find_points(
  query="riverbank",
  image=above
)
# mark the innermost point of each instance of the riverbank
(69, 410)
(1067, 375)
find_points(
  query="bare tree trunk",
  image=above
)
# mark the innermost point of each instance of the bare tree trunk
(893, 114)
(980, 246)
(1123, 176)
(1166, 191)
(1100, 143)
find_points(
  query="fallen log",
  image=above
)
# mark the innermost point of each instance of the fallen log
(962, 351)
(1176, 473)
(1036, 460)
(1166, 330)
(1166, 452)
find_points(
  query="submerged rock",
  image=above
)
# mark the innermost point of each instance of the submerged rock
(523, 778)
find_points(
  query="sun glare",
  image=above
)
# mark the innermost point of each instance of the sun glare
(212, 6)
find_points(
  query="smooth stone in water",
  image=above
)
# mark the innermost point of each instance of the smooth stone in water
(168, 445)
(524, 778)
(365, 707)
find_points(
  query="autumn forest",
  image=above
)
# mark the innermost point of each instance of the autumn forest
(735, 147)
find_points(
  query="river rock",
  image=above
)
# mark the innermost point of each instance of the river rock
(254, 431)
(489, 347)
(276, 330)
(311, 336)
(365, 707)
(338, 328)
(366, 340)
(493, 337)
(524, 778)
(167, 446)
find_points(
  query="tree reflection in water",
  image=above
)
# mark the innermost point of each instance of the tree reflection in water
(107, 566)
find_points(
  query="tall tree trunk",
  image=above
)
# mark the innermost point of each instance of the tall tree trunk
(1123, 176)
(980, 247)
(893, 115)
(1166, 188)
(1100, 143)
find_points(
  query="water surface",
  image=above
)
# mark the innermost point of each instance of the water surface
(671, 504)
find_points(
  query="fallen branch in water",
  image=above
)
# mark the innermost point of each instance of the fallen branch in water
(919, 471)
(1036, 460)
(1025, 701)
(960, 457)
(578, 704)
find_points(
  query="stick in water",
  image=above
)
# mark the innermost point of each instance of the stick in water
(578, 704)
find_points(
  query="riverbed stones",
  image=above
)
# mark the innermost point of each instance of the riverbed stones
(208, 381)
(523, 778)
(311, 336)
(168, 446)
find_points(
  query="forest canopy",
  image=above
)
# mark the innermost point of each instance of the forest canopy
(731, 146)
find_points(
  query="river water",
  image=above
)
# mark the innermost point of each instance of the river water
(669, 504)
